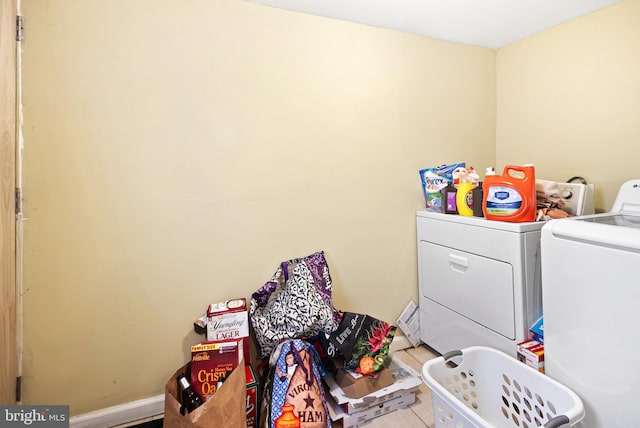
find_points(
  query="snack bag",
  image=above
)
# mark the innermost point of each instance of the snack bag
(434, 180)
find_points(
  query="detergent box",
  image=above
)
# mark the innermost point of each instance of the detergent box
(537, 330)
(531, 353)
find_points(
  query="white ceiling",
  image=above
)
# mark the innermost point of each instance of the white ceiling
(490, 23)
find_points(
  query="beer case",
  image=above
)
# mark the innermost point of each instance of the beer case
(229, 320)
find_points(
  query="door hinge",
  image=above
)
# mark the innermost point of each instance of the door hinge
(18, 389)
(19, 28)
(18, 200)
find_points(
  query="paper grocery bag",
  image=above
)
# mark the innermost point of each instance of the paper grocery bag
(226, 408)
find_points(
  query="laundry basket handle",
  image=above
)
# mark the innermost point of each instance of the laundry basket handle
(451, 354)
(557, 421)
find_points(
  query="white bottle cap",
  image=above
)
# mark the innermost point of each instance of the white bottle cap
(184, 383)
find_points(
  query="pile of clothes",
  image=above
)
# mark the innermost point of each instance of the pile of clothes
(549, 202)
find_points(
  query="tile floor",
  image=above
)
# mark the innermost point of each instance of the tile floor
(420, 414)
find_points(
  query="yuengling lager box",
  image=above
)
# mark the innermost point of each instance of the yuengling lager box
(229, 320)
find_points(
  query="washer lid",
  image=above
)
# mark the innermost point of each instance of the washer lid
(618, 231)
(626, 220)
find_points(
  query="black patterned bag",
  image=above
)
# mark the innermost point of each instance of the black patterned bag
(294, 303)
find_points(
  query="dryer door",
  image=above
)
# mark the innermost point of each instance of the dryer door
(475, 287)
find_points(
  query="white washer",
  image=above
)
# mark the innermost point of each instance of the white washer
(591, 292)
(479, 281)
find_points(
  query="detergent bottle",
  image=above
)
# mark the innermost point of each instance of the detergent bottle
(464, 197)
(449, 199)
(478, 192)
(510, 196)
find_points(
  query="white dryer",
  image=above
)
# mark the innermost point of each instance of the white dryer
(479, 281)
(591, 296)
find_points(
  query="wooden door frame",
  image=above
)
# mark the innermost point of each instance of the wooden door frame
(8, 156)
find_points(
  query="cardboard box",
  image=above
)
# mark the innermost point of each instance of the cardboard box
(537, 330)
(405, 379)
(531, 353)
(355, 386)
(229, 320)
(252, 398)
(409, 323)
(358, 418)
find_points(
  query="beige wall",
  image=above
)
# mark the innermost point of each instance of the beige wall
(569, 100)
(176, 152)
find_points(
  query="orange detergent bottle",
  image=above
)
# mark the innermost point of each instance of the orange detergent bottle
(510, 196)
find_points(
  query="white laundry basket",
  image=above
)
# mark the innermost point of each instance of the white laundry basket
(488, 388)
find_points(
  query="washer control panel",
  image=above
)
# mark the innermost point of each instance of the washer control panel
(578, 198)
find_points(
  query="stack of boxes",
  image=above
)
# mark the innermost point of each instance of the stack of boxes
(356, 399)
(228, 322)
(531, 352)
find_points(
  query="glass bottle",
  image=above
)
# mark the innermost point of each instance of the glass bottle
(190, 399)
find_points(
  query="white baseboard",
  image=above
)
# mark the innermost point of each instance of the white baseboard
(120, 415)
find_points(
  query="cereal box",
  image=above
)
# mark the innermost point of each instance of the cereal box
(212, 362)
